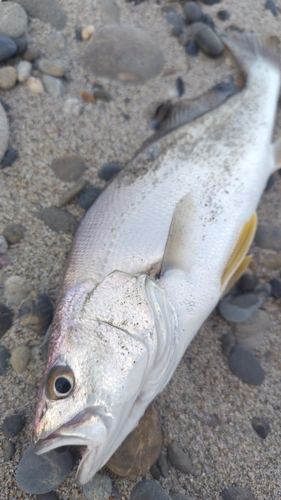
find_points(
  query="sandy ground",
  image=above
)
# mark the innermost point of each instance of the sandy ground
(230, 453)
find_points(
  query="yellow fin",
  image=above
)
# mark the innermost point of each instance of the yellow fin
(238, 273)
(236, 259)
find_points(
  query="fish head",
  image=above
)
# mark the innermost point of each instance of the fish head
(99, 359)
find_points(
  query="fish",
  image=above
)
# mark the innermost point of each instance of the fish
(151, 259)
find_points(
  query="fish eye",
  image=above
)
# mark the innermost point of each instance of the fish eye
(60, 382)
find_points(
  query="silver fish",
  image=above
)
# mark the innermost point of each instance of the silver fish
(118, 334)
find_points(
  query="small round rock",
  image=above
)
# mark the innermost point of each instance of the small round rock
(8, 448)
(178, 458)
(223, 15)
(68, 168)
(268, 236)
(108, 170)
(192, 12)
(13, 425)
(53, 67)
(163, 465)
(10, 157)
(236, 493)
(248, 282)
(73, 106)
(239, 308)
(21, 42)
(261, 426)
(14, 233)
(6, 319)
(7, 48)
(148, 489)
(31, 54)
(98, 488)
(24, 71)
(8, 77)
(245, 365)
(59, 220)
(3, 244)
(20, 358)
(35, 85)
(86, 199)
(53, 86)
(37, 474)
(13, 20)
(207, 40)
(15, 290)
(4, 359)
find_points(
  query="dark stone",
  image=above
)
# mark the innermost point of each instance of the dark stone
(155, 472)
(99, 487)
(102, 95)
(86, 199)
(178, 458)
(13, 425)
(192, 12)
(236, 493)
(180, 86)
(163, 465)
(206, 19)
(68, 168)
(39, 474)
(276, 288)
(6, 319)
(270, 182)
(248, 282)
(108, 170)
(21, 42)
(268, 236)
(10, 157)
(210, 2)
(271, 5)
(37, 313)
(191, 48)
(14, 233)
(227, 342)
(47, 496)
(4, 359)
(8, 448)
(5, 105)
(148, 489)
(261, 426)
(78, 35)
(59, 220)
(207, 40)
(7, 48)
(223, 15)
(245, 365)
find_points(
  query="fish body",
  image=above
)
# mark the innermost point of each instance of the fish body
(118, 334)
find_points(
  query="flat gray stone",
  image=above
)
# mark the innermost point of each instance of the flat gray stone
(236, 493)
(8, 448)
(98, 488)
(48, 11)
(261, 426)
(14, 232)
(148, 490)
(178, 458)
(8, 48)
(4, 132)
(13, 20)
(245, 365)
(239, 308)
(59, 220)
(4, 360)
(268, 236)
(123, 53)
(53, 67)
(68, 168)
(53, 86)
(6, 319)
(250, 333)
(207, 40)
(13, 425)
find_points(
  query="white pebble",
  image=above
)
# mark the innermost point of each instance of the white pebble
(3, 244)
(35, 85)
(73, 106)
(24, 71)
(15, 290)
(87, 32)
(20, 358)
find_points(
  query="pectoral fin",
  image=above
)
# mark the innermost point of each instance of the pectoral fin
(238, 262)
(185, 237)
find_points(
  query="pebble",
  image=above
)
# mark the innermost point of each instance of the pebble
(4, 132)
(207, 40)
(39, 474)
(8, 77)
(103, 95)
(270, 182)
(47, 496)
(87, 32)
(78, 35)
(268, 236)
(3, 244)
(8, 448)
(73, 106)
(4, 260)
(263, 291)
(68, 168)
(35, 85)
(251, 332)
(176, 21)
(88, 97)
(5, 105)
(236, 493)
(7, 48)
(148, 489)
(192, 12)
(227, 342)
(31, 54)
(53, 86)
(191, 48)
(180, 86)
(223, 15)
(245, 365)
(178, 458)
(163, 465)
(155, 472)
(20, 358)
(4, 359)
(108, 170)
(206, 19)
(53, 67)
(273, 261)
(271, 5)
(59, 220)
(239, 308)
(210, 2)
(261, 426)
(248, 283)
(86, 199)
(184, 38)
(21, 42)
(72, 193)
(13, 20)
(276, 288)
(10, 157)
(131, 55)
(6, 319)
(13, 425)
(37, 313)
(14, 233)
(15, 290)
(24, 71)
(55, 43)
(109, 12)
(140, 449)
(98, 488)
(48, 11)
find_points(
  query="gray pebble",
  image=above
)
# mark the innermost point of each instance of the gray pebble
(236, 493)
(8, 448)
(47, 496)
(5, 105)
(78, 35)
(191, 48)
(31, 54)
(245, 365)
(68, 168)
(53, 67)
(24, 70)
(263, 291)
(59, 220)
(109, 12)
(55, 44)
(192, 12)
(276, 288)
(184, 38)
(14, 233)
(98, 488)
(108, 170)
(178, 458)
(103, 95)
(207, 40)
(271, 5)
(13, 425)
(155, 472)
(4, 360)
(15, 290)
(13, 20)
(223, 15)
(148, 489)
(20, 358)
(250, 333)
(6, 319)
(7, 48)
(210, 2)
(268, 236)
(176, 21)
(43, 473)
(4, 260)
(48, 11)
(163, 465)
(72, 193)
(21, 42)
(3, 244)
(73, 106)
(131, 55)
(53, 86)
(37, 313)
(206, 19)
(239, 308)
(261, 426)
(248, 282)
(227, 342)
(8, 77)
(86, 199)
(4, 132)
